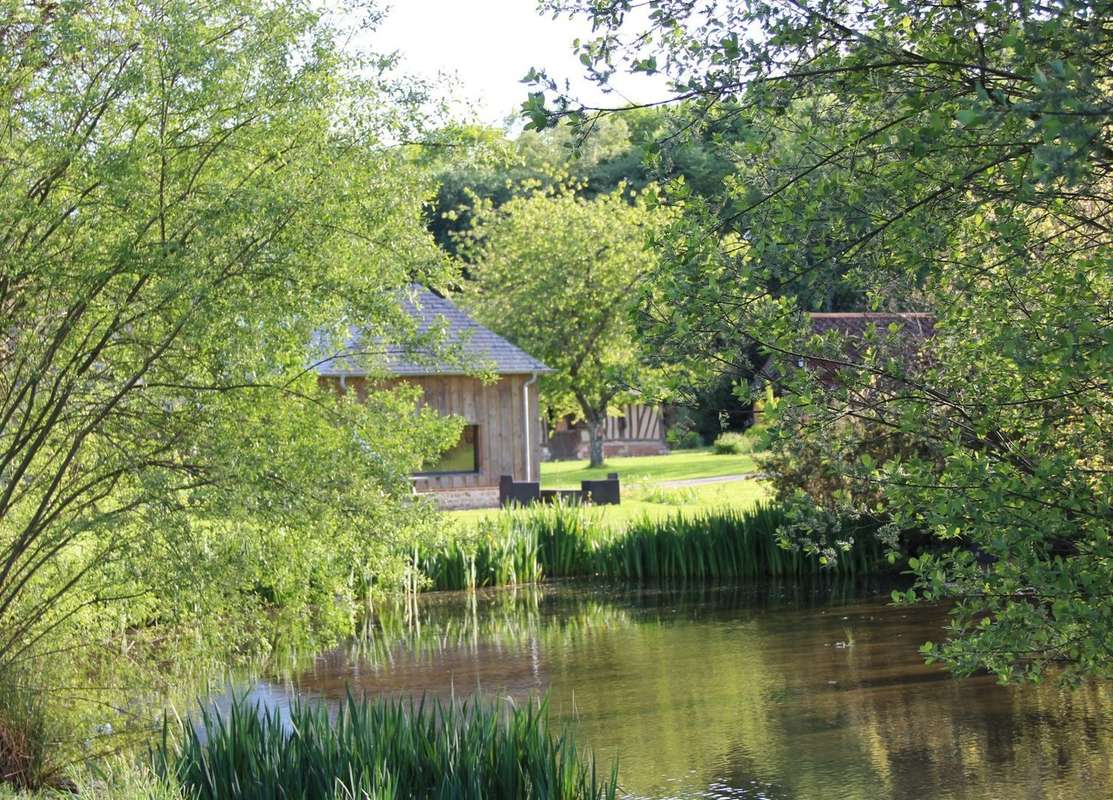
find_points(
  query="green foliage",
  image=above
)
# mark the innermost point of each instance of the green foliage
(191, 193)
(732, 443)
(57, 741)
(558, 276)
(177, 229)
(486, 166)
(682, 433)
(114, 778)
(942, 157)
(680, 438)
(568, 541)
(378, 749)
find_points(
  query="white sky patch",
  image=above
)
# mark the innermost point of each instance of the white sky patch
(488, 46)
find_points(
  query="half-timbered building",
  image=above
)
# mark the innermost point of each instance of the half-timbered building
(634, 430)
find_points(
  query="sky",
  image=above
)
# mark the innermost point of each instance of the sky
(489, 46)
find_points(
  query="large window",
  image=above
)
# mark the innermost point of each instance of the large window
(461, 457)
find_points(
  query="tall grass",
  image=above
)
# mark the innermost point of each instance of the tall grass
(379, 749)
(31, 754)
(562, 541)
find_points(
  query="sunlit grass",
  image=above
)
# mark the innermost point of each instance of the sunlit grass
(641, 500)
(680, 465)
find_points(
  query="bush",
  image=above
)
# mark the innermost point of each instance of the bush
(732, 444)
(379, 749)
(682, 434)
(684, 440)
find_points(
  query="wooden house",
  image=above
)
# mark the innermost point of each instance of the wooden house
(502, 433)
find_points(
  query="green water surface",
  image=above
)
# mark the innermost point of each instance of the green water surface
(740, 692)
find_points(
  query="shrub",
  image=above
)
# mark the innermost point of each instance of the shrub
(682, 434)
(378, 749)
(732, 444)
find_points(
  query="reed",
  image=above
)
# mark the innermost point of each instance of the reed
(381, 750)
(566, 541)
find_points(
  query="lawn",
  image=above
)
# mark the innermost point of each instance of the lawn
(645, 500)
(681, 465)
(642, 494)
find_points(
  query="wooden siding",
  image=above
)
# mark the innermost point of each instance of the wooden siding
(497, 408)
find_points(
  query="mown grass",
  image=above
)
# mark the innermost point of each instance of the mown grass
(528, 545)
(379, 749)
(680, 465)
(641, 500)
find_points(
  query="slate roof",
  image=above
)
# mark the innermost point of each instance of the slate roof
(467, 347)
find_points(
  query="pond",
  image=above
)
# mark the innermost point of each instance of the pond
(739, 692)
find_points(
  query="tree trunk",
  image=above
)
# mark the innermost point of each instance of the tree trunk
(596, 431)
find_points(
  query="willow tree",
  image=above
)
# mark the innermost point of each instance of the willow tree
(965, 154)
(187, 193)
(558, 275)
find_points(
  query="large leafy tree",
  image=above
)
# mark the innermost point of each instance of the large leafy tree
(632, 150)
(963, 159)
(187, 193)
(558, 275)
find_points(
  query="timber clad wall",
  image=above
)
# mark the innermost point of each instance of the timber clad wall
(497, 408)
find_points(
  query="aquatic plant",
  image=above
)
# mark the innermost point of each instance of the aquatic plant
(380, 749)
(566, 541)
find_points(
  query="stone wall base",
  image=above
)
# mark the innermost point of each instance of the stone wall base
(462, 499)
(624, 449)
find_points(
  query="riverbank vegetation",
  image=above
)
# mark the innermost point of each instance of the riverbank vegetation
(192, 193)
(567, 541)
(381, 749)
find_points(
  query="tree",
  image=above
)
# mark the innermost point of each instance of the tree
(558, 275)
(626, 151)
(187, 194)
(969, 149)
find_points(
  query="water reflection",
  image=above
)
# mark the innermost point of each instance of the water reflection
(780, 692)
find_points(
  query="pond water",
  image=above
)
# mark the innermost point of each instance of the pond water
(740, 692)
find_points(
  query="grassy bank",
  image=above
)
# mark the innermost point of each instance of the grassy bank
(381, 749)
(528, 545)
(650, 500)
(677, 466)
(649, 485)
